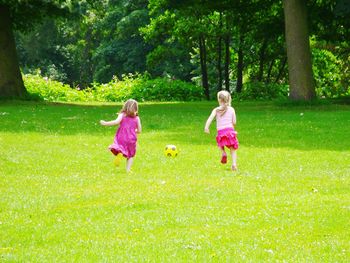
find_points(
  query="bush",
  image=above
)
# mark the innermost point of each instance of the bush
(164, 89)
(262, 91)
(139, 87)
(115, 90)
(328, 74)
(51, 90)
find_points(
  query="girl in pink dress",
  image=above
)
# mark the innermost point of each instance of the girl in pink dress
(126, 137)
(225, 122)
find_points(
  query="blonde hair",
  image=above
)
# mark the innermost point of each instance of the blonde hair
(224, 99)
(130, 108)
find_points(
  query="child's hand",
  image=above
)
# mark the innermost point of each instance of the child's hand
(102, 122)
(206, 130)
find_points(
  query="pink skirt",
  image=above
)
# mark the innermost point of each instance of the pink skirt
(227, 137)
(127, 150)
(124, 143)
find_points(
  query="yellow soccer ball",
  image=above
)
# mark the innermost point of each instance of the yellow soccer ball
(171, 151)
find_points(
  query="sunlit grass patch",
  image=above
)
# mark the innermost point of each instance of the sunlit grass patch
(62, 199)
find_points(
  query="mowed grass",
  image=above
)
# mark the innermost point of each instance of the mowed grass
(62, 200)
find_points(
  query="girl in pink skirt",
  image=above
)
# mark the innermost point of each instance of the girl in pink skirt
(225, 121)
(126, 137)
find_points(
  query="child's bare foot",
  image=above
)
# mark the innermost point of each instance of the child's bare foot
(234, 167)
(224, 158)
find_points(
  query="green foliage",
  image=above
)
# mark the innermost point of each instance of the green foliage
(116, 90)
(100, 41)
(139, 87)
(51, 90)
(262, 91)
(171, 49)
(164, 89)
(120, 47)
(114, 38)
(25, 14)
(328, 74)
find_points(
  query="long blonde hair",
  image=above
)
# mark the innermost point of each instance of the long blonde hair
(224, 99)
(130, 108)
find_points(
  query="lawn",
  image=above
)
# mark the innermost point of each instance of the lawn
(62, 199)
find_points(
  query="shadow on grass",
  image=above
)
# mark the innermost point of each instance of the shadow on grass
(263, 124)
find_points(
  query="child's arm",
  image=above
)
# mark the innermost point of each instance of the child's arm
(112, 123)
(234, 118)
(210, 119)
(139, 127)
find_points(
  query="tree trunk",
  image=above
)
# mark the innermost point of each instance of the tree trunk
(227, 57)
(301, 81)
(262, 60)
(219, 57)
(227, 63)
(219, 64)
(11, 82)
(240, 65)
(268, 78)
(86, 72)
(203, 59)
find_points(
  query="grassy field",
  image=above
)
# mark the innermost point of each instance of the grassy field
(62, 200)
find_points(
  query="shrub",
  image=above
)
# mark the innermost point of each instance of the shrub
(115, 90)
(140, 87)
(328, 74)
(51, 90)
(164, 89)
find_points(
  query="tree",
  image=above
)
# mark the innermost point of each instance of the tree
(188, 26)
(121, 47)
(11, 83)
(18, 15)
(298, 50)
(330, 28)
(43, 49)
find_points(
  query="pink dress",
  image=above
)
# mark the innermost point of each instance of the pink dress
(226, 136)
(126, 137)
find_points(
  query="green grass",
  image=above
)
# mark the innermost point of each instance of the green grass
(62, 200)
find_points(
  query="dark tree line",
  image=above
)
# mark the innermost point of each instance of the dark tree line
(218, 44)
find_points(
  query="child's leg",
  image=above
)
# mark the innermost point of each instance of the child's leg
(234, 158)
(129, 163)
(223, 155)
